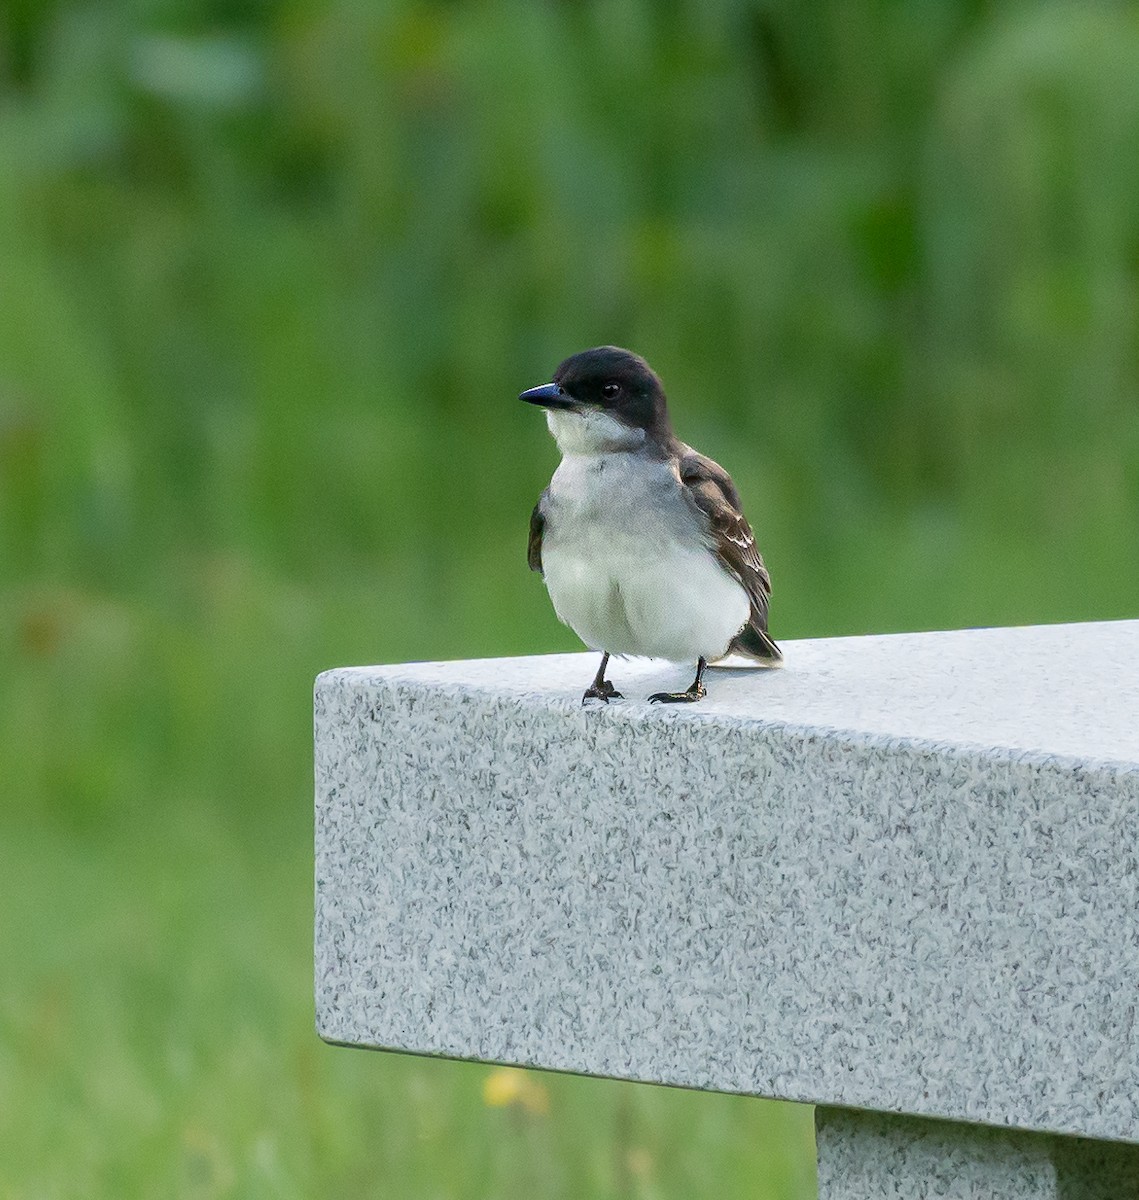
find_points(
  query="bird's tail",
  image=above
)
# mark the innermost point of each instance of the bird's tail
(756, 643)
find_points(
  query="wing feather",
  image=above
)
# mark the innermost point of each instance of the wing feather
(537, 529)
(709, 488)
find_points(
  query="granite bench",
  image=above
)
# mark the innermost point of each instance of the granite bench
(898, 879)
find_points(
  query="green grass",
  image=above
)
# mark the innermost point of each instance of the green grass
(268, 271)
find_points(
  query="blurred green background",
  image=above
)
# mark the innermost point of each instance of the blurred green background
(271, 277)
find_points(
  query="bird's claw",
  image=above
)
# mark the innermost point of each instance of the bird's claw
(694, 693)
(602, 691)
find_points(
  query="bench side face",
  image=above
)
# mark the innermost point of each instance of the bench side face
(850, 921)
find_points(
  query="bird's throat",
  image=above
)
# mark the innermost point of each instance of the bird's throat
(590, 431)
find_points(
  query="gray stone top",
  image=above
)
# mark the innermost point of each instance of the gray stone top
(1070, 690)
(900, 874)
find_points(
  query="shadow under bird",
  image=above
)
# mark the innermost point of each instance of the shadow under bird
(641, 540)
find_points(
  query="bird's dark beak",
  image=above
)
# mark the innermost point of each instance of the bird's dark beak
(549, 395)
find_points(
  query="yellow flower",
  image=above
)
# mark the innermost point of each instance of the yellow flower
(509, 1087)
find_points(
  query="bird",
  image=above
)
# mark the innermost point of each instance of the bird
(641, 540)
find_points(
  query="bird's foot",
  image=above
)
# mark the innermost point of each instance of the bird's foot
(694, 693)
(601, 691)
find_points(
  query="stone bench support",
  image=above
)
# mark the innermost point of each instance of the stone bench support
(898, 879)
(872, 1156)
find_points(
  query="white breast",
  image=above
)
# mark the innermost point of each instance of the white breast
(628, 567)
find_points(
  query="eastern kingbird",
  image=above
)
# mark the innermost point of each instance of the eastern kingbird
(640, 539)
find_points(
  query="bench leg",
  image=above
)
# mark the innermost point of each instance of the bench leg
(874, 1156)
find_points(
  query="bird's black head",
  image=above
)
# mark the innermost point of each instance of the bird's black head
(609, 380)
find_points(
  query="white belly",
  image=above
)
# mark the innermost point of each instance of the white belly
(625, 565)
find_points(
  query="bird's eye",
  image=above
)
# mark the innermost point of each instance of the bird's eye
(611, 390)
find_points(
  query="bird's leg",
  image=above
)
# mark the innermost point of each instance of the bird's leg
(601, 688)
(695, 690)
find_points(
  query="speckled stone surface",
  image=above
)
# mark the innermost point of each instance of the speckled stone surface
(871, 1156)
(900, 874)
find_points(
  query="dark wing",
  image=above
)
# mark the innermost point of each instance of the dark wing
(709, 488)
(537, 528)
